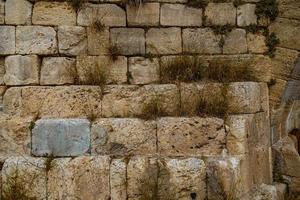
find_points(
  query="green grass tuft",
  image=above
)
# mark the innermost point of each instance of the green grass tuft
(267, 8)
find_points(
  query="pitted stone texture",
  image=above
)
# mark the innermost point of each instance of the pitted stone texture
(108, 14)
(129, 41)
(58, 71)
(246, 15)
(14, 136)
(163, 41)
(146, 14)
(116, 70)
(53, 102)
(123, 136)
(72, 40)
(7, 40)
(36, 40)
(289, 9)
(201, 40)
(98, 41)
(220, 14)
(180, 15)
(2, 12)
(256, 43)
(18, 12)
(235, 42)
(118, 179)
(53, 13)
(21, 70)
(143, 70)
(61, 137)
(129, 101)
(80, 178)
(190, 136)
(28, 173)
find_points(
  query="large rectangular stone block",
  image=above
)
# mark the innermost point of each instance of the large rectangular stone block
(235, 42)
(220, 14)
(246, 15)
(7, 40)
(61, 137)
(147, 14)
(18, 12)
(98, 41)
(118, 179)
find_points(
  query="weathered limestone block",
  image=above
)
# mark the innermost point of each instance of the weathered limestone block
(180, 15)
(26, 175)
(85, 177)
(220, 14)
(98, 41)
(58, 71)
(123, 136)
(288, 32)
(2, 11)
(18, 12)
(53, 13)
(116, 70)
(246, 15)
(61, 137)
(53, 102)
(21, 70)
(261, 67)
(7, 40)
(72, 40)
(108, 14)
(190, 136)
(147, 14)
(289, 9)
(36, 40)
(2, 70)
(201, 40)
(235, 42)
(129, 101)
(129, 41)
(143, 70)
(262, 191)
(14, 136)
(276, 92)
(163, 41)
(256, 43)
(118, 179)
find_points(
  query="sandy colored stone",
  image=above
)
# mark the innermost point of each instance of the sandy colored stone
(276, 92)
(147, 14)
(129, 100)
(53, 13)
(220, 14)
(163, 41)
(246, 15)
(235, 42)
(289, 9)
(201, 40)
(22, 70)
(118, 179)
(57, 71)
(18, 12)
(2, 12)
(36, 40)
(2, 70)
(108, 14)
(256, 43)
(143, 70)
(72, 40)
(180, 15)
(98, 41)
(7, 40)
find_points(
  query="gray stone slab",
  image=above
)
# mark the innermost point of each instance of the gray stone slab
(61, 137)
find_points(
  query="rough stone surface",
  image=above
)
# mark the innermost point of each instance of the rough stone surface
(108, 14)
(80, 178)
(53, 13)
(21, 70)
(163, 41)
(57, 71)
(190, 136)
(256, 43)
(220, 14)
(24, 170)
(7, 40)
(246, 15)
(123, 136)
(18, 12)
(143, 70)
(72, 40)
(235, 42)
(180, 15)
(98, 41)
(129, 101)
(118, 179)
(61, 137)
(2, 12)
(2, 70)
(289, 9)
(36, 40)
(201, 40)
(129, 41)
(147, 14)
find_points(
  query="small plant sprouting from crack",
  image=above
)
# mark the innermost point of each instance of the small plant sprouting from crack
(113, 51)
(197, 3)
(271, 82)
(267, 8)
(223, 30)
(98, 25)
(272, 41)
(48, 162)
(153, 109)
(77, 4)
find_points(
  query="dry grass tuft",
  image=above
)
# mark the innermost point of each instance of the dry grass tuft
(153, 109)
(113, 52)
(98, 25)
(77, 4)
